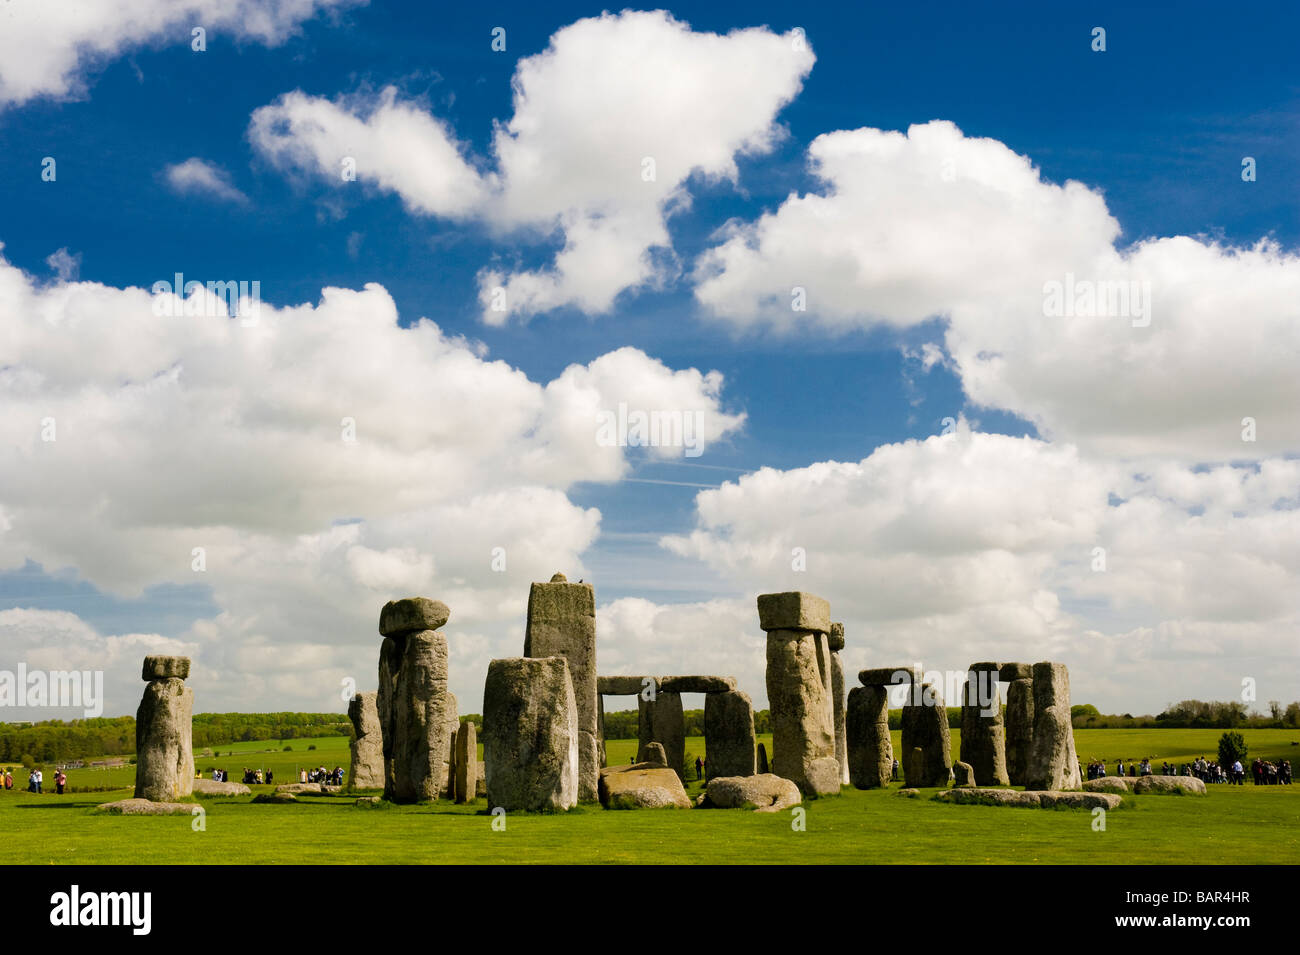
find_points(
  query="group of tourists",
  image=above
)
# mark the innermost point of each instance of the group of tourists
(1271, 774)
(1264, 772)
(36, 781)
(327, 777)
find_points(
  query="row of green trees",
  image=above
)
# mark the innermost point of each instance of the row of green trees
(1192, 714)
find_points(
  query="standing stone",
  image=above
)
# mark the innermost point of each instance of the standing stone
(452, 717)
(466, 762)
(760, 760)
(798, 690)
(562, 622)
(652, 754)
(530, 735)
(729, 734)
(1019, 729)
(870, 749)
(367, 769)
(661, 721)
(927, 745)
(164, 764)
(963, 775)
(835, 639)
(600, 727)
(390, 661)
(1053, 763)
(419, 718)
(983, 736)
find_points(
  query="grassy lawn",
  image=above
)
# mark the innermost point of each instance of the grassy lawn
(1233, 824)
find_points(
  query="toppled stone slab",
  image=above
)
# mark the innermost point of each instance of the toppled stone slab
(157, 667)
(697, 684)
(909, 793)
(411, 615)
(641, 787)
(889, 676)
(623, 685)
(275, 799)
(762, 793)
(146, 807)
(794, 610)
(210, 787)
(299, 788)
(1034, 799)
(371, 802)
(1168, 785)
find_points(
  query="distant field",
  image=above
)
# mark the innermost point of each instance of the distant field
(1233, 824)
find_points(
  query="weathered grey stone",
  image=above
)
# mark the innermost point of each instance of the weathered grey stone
(760, 760)
(793, 610)
(275, 798)
(146, 807)
(411, 615)
(870, 749)
(369, 802)
(729, 734)
(803, 731)
(292, 788)
(889, 676)
(652, 754)
(963, 775)
(164, 762)
(390, 661)
(634, 787)
(1010, 672)
(1053, 764)
(985, 668)
(1170, 785)
(1110, 784)
(1032, 799)
(530, 735)
(421, 705)
(623, 685)
(697, 684)
(837, 708)
(210, 787)
(763, 793)
(452, 717)
(661, 721)
(367, 745)
(562, 622)
(158, 667)
(836, 637)
(1019, 729)
(927, 745)
(466, 762)
(983, 737)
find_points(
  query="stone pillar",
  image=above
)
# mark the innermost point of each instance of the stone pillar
(562, 622)
(413, 701)
(983, 737)
(367, 768)
(760, 759)
(466, 762)
(798, 690)
(452, 717)
(870, 749)
(835, 640)
(1053, 763)
(1019, 719)
(164, 751)
(661, 721)
(927, 745)
(729, 734)
(530, 735)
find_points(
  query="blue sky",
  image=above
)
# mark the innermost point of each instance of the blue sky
(1156, 128)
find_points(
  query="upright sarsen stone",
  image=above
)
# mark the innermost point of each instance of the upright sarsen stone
(562, 622)
(870, 749)
(420, 705)
(835, 640)
(1019, 722)
(729, 734)
(1053, 763)
(466, 762)
(390, 661)
(927, 744)
(661, 720)
(983, 736)
(164, 767)
(367, 769)
(530, 735)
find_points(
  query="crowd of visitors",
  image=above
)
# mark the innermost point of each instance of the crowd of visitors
(1264, 772)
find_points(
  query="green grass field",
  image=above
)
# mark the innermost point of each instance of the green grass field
(1231, 825)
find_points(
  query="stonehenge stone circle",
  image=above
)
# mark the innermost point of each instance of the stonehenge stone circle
(835, 640)
(870, 749)
(763, 793)
(729, 734)
(562, 622)
(1053, 764)
(466, 762)
(367, 767)
(983, 736)
(530, 735)
(164, 768)
(927, 746)
(640, 787)
(661, 721)
(417, 706)
(1019, 726)
(799, 691)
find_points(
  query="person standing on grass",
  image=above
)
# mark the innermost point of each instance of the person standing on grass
(699, 768)
(60, 780)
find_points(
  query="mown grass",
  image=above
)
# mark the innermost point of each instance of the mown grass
(1233, 824)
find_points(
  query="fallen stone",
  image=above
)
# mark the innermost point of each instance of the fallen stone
(210, 787)
(1032, 799)
(641, 788)
(369, 802)
(793, 610)
(1109, 784)
(763, 793)
(147, 807)
(530, 735)
(291, 788)
(276, 798)
(411, 615)
(157, 667)
(1175, 785)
